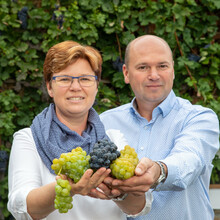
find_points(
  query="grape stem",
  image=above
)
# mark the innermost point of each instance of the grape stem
(60, 171)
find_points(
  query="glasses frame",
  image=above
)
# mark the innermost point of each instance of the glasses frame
(74, 77)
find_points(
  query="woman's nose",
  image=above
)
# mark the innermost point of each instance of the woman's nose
(75, 84)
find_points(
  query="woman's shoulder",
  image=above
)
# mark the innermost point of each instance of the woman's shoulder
(24, 133)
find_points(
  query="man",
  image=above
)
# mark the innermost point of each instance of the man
(162, 127)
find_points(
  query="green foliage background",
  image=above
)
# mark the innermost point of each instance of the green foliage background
(191, 27)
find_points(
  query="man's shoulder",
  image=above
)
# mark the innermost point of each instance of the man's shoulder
(187, 107)
(186, 104)
(119, 109)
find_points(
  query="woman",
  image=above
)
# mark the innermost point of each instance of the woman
(71, 73)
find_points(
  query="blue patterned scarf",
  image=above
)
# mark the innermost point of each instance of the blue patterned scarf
(53, 137)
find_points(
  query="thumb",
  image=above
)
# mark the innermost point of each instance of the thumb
(143, 166)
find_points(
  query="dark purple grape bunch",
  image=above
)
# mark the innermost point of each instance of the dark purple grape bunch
(104, 152)
(23, 17)
(117, 64)
(194, 57)
(59, 19)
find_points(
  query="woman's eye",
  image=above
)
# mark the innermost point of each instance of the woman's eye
(84, 78)
(65, 79)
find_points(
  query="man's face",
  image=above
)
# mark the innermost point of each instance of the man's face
(150, 71)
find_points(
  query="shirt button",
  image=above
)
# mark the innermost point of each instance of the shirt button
(142, 148)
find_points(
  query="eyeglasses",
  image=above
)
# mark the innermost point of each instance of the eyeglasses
(66, 81)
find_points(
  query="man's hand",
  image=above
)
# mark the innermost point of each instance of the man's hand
(146, 174)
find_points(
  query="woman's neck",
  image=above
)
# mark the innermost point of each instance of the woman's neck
(77, 124)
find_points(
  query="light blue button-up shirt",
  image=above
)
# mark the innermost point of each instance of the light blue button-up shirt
(183, 136)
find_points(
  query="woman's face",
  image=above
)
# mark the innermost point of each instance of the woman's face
(75, 100)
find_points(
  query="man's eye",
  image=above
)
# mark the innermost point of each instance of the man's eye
(142, 67)
(163, 66)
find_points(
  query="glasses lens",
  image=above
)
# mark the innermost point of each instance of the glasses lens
(63, 81)
(87, 80)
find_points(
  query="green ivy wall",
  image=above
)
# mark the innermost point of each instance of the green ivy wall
(29, 28)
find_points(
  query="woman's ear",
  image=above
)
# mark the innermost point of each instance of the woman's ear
(49, 89)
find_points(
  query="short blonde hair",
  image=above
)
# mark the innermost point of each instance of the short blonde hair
(66, 53)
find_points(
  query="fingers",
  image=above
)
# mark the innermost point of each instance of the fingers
(131, 182)
(116, 192)
(99, 176)
(57, 177)
(143, 166)
(90, 181)
(136, 189)
(87, 175)
(96, 193)
(138, 193)
(141, 182)
(108, 180)
(62, 176)
(105, 189)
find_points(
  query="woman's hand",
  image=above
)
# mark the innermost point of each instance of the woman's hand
(89, 182)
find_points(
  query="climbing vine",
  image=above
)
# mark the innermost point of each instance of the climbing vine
(29, 28)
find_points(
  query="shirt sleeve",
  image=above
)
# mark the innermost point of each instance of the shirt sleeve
(24, 173)
(193, 151)
(147, 207)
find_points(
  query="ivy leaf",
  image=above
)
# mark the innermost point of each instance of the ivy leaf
(190, 82)
(217, 81)
(191, 2)
(127, 37)
(116, 2)
(180, 11)
(217, 4)
(118, 80)
(22, 47)
(107, 6)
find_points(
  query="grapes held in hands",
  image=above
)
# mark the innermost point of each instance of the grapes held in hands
(124, 166)
(104, 152)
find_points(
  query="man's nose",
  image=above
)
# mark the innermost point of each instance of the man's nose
(153, 74)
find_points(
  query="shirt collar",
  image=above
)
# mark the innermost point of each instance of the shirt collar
(167, 105)
(164, 107)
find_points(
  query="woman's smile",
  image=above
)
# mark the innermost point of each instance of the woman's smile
(75, 98)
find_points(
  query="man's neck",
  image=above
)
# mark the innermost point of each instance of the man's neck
(145, 109)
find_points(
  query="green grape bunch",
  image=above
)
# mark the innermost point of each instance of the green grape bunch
(73, 164)
(63, 199)
(124, 166)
